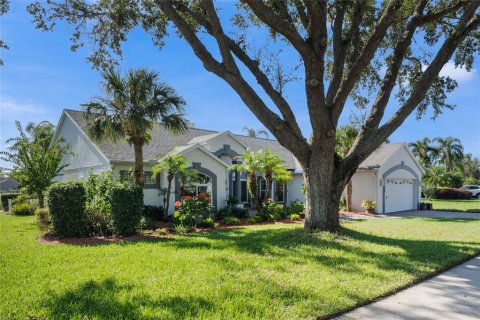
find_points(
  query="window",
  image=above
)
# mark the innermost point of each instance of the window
(202, 185)
(127, 175)
(279, 192)
(243, 191)
(262, 187)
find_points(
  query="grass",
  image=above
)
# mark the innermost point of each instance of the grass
(262, 272)
(472, 205)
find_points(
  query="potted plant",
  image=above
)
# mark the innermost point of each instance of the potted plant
(369, 205)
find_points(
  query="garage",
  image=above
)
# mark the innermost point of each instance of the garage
(399, 194)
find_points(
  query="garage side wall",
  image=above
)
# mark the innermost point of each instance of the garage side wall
(363, 187)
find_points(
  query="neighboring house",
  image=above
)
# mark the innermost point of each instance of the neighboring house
(391, 172)
(8, 184)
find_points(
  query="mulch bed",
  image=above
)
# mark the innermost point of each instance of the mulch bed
(151, 236)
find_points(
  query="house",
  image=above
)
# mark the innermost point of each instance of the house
(391, 176)
(8, 184)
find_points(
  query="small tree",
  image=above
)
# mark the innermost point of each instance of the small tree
(272, 168)
(133, 105)
(255, 133)
(345, 137)
(36, 159)
(251, 164)
(172, 165)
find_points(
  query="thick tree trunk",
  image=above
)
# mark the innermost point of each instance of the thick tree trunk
(41, 201)
(139, 177)
(323, 194)
(349, 195)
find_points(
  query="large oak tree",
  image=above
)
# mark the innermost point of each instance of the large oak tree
(360, 51)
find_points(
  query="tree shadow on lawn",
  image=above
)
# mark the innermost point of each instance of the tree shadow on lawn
(109, 300)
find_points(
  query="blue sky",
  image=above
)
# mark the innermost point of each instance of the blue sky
(41, 76)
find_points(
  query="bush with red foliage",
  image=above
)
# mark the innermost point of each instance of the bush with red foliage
(452, 193)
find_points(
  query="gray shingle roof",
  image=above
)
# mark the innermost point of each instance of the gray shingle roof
(379, 156)
(163, 141)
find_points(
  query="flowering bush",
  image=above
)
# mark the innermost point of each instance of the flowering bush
(192, 209)
(273, 210)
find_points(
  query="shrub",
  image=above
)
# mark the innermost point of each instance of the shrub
(428, 192)
(207, 223)
(343, 204)
(231, 212)
(294, 217)
(161, 231)
(127, 208)
(98, 189)
(146, 223)
(44, 220)
(296, 206)
(231, 221)
(181, 229)
(255, 219)
(66, 202)
(368, 204)
(5, 197)
(273, 210)
(452, 193)
(22, 209)
(156, 213)
(453, 180)
(191, 210)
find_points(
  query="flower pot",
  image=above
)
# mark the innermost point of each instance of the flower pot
(371, 211)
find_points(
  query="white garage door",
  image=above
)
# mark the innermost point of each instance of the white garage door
(398, 195)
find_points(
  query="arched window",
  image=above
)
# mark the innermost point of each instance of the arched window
(203, 184)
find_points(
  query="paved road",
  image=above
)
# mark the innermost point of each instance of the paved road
(436, 214)
(452, 295)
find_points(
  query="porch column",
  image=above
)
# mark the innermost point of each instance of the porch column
(230, 184)
(237, 185)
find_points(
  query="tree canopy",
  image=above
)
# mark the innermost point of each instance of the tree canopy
(367, 52)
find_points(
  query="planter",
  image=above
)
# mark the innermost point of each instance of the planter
(371, 211)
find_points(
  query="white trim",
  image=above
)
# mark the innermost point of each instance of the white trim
(185, 149)
(422, 170)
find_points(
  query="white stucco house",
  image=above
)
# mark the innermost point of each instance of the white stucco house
(390, 176)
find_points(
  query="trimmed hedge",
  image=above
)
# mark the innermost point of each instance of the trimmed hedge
(66, 202)
(452, 193)
(154, 212)
(127, 208)
(4, 198)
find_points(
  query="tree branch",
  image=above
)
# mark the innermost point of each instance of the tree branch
(365, 57)
(253, 67)
(362, 148)
(286, 29)
(301, 13)
(285, 135)
(432, 16)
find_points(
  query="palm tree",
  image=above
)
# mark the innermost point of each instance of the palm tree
(172, 165)
(255, 133)
(132, 106)
(272, 168)
(450, 151)
(424, 151)
(345, 137)
(251, 164)
(434, 176)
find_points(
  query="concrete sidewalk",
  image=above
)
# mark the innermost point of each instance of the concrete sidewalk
(452, 295)
(436, 214)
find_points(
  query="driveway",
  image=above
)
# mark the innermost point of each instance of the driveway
(436, 214)
(452, 295)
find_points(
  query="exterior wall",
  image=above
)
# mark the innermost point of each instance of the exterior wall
(294, 188)
(402, 157)
(218, 142)
(199, 160)
(151, 196)
(85, 156)
(363, 187)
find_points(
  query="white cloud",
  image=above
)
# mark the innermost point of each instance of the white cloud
(11, 107)
(458, 74)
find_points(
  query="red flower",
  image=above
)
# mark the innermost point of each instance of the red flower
(202, 195)
(208, 199)
(178, 204)
(269, 200)
(186, 198)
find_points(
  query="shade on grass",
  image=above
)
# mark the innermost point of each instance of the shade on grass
(267, 272)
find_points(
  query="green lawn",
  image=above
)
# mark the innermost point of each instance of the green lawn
(263, 272)
(456, 205)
